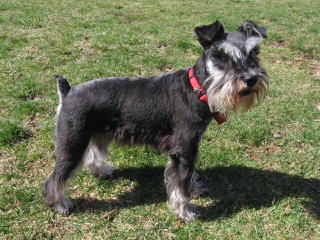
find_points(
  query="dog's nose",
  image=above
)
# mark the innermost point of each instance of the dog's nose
(251, 81)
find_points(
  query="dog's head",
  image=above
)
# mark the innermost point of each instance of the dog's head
(235, 77)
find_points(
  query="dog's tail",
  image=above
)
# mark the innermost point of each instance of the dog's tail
(63, 86)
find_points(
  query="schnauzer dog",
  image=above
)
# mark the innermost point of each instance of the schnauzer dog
(169, 112)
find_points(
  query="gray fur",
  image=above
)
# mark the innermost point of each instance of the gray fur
(160, 111)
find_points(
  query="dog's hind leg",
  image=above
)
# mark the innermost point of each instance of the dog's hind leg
(95, 157)
(71, 142)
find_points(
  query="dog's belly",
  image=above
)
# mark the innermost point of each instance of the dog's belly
(139, 133)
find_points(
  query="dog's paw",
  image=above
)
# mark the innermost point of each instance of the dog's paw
(104, 171)
(189, 213)
(200, 189)
(64, 206)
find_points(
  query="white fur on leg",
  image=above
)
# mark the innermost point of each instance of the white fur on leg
(181, 206)
(95, 160)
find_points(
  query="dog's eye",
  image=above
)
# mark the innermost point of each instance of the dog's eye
(221, 55)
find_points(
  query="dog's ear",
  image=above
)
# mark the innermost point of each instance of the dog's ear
(251, 29)
(207, 34)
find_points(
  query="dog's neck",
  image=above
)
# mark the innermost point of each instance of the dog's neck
(200, 70)
(201, 93)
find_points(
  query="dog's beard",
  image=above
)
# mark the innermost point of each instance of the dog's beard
(228, 93)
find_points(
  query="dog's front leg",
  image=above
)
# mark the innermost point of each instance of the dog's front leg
(180, 181)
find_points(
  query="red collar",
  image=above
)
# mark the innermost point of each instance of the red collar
(201, 93)
(197, 88)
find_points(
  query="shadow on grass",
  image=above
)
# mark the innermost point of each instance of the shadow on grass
(232, 189)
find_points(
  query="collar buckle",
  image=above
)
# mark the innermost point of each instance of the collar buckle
(197, 90)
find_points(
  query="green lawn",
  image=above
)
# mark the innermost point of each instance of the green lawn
(262, 167)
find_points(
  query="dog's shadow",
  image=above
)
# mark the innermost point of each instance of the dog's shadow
(231, 190)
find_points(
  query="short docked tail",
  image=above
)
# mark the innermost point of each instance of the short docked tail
(63, 86)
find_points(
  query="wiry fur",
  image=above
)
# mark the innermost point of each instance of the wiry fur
(229, 63)
(223, 92)
(251, 43)
(161, 111)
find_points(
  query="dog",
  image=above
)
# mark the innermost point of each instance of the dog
(169, 112)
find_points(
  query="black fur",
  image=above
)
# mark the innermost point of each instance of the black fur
(160, 111)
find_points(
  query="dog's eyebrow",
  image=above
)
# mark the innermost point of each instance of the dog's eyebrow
(251, 43)
(232, 50)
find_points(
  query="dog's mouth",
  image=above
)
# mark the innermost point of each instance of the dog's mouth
(245, 92)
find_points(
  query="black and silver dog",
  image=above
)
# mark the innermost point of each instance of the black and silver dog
(169, 112)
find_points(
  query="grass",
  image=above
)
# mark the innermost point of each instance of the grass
(262, 167)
